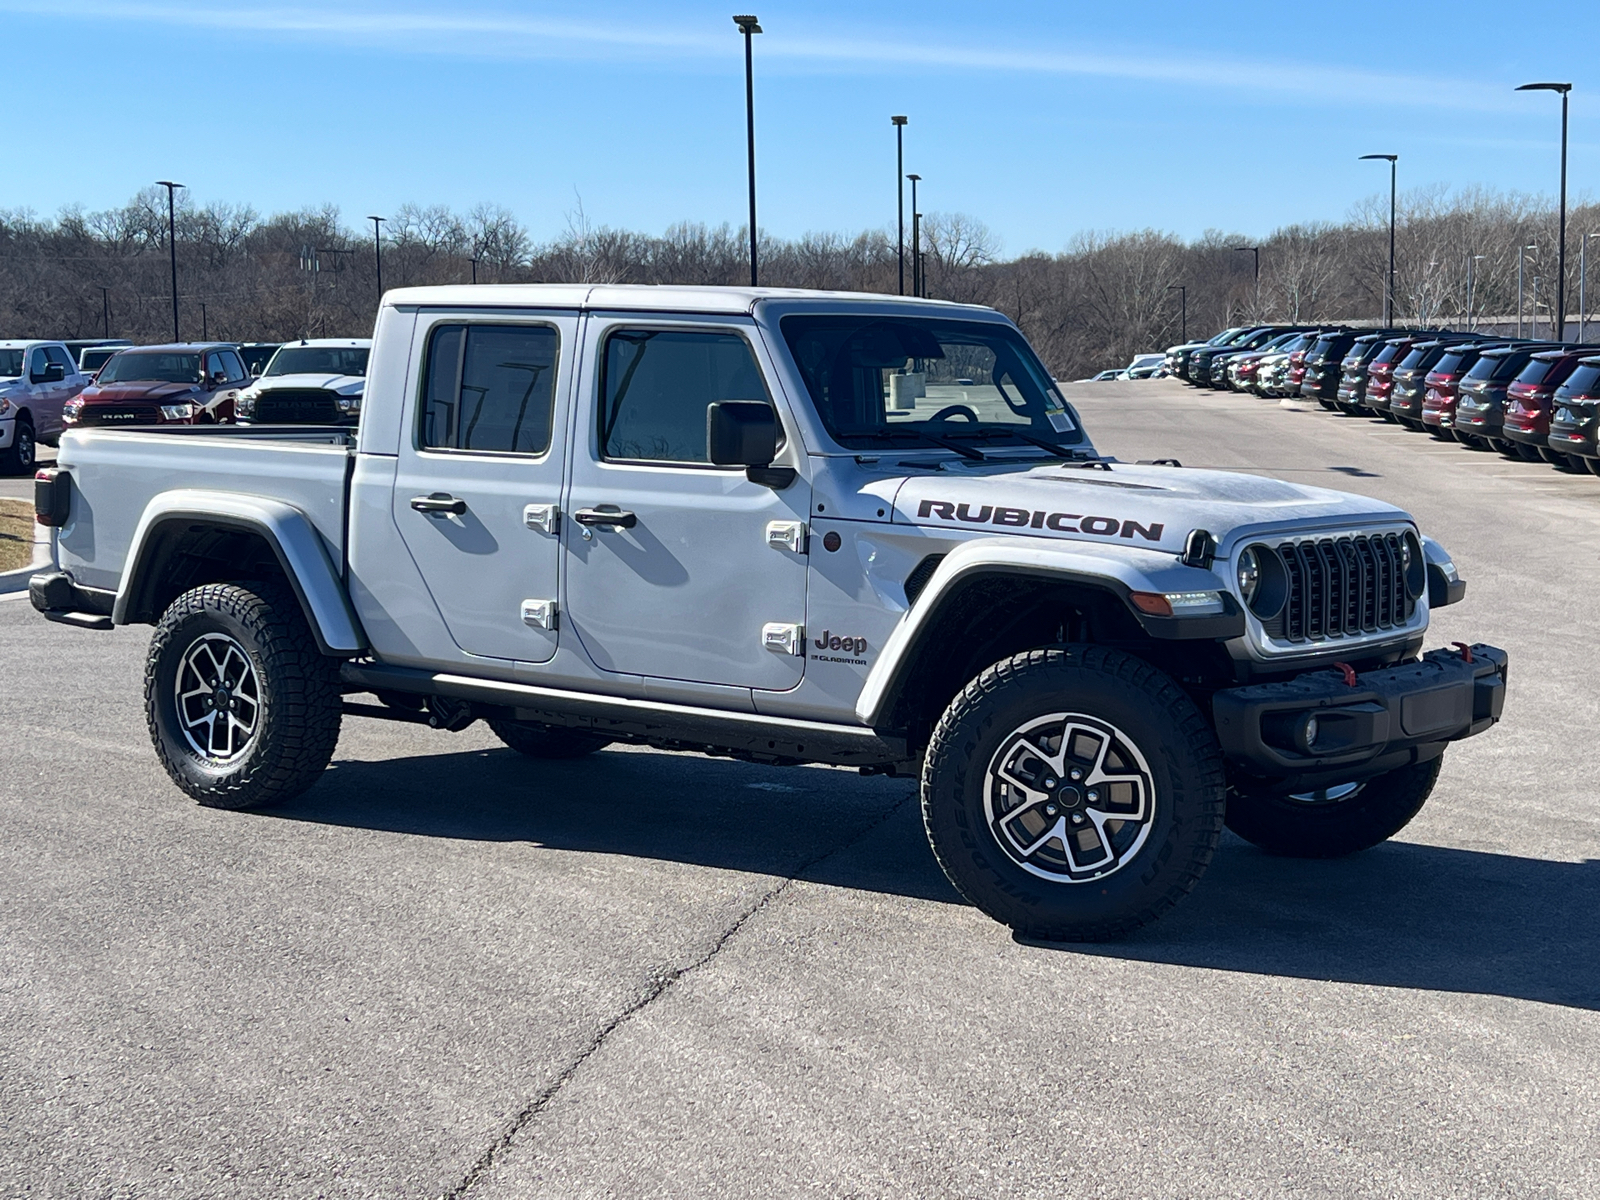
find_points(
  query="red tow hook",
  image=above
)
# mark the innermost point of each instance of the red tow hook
(1466, 651)
(1349, 674)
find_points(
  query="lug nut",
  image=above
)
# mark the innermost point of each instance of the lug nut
(1094, 795)
(1050, 810)
(1077, 775)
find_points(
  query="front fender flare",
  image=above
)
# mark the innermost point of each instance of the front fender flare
(299, 548)
(1127, 570)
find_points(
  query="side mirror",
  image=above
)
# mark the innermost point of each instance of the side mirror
(53, 373)
(741, 433)
(744, 433)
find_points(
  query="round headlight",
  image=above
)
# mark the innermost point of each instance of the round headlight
(1249, 574)
(1263, 581)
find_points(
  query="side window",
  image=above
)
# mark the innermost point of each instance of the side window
(234, 366)
(214, 365)
(656, 386)
(489, 388)
(59, 356)
(36, 364)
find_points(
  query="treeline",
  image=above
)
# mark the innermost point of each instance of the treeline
(1104, 298)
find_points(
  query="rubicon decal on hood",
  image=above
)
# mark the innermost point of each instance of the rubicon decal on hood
(1038, 518)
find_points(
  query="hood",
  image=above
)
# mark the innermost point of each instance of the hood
(1147, 507)
(323, 381)
(139, 389)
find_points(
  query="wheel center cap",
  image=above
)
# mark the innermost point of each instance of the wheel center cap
(1069, 797)
(221, 697)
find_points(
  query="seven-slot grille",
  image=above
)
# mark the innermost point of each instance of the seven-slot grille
(1344, 587)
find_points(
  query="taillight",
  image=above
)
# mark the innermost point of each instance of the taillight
(52, 496)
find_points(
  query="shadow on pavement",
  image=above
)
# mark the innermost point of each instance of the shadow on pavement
(1401, 915)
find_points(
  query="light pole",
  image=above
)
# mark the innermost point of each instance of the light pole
(172, 246)
(916, 239)
(749, 27)
(377, 251)
(205, 330)
(1561, 234)
(900, 193)
(105, 310)
(1388, 293)
(1183, 309)
(1522, 253)
(1472, 316)
(1583, 294)
(474, 263)
(1256, 251)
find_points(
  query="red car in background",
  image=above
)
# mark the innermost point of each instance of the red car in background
(193, 383)
(1526, 427)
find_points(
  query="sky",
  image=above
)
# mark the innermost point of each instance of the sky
(1042, 120)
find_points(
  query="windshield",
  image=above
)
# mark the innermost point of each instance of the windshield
(11, 363)
(1450, 363)
(877, 379)
(1585, 382)
(1537, 370)
(152, 365)
(1226, 336)
(319, 360)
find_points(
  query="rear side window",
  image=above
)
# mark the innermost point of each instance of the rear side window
(489, 388)
(656, 385)
(59, 356)
(1536, 371)
(1585, 381)
(1486, 367)
(1450, 363)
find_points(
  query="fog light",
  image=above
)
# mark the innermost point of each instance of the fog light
(1305, 734)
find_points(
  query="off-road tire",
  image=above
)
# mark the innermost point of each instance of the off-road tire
(22, 455)
(1152, 714)
(547, 741)
(296, 725)
(1301, 829)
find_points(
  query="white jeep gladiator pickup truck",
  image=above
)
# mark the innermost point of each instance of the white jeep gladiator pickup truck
(787, 527)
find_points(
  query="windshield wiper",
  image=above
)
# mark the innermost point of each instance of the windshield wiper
(930, 439)
(1042, 443)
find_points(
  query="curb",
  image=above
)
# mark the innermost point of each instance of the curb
(17, 581)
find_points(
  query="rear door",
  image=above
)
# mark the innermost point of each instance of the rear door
(691, 581)
(480, 473)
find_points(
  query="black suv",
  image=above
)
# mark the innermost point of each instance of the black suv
(1411, 377)
(1481, 396)
(1178, 356)
(1575, 416)
(1202, 361)
(1321, 379)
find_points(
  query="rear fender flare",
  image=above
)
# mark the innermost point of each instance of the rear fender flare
(299, 548)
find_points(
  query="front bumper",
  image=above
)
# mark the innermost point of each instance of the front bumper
(1386, 720)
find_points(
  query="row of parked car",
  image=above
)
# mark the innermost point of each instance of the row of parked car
(1525, 398)
(45, 389)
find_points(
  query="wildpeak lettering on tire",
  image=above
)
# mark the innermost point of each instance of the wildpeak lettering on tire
(1024, 518)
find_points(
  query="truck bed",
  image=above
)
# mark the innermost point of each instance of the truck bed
(117, 472)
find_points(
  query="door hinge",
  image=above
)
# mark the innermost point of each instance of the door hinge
(541, 614)
(787, 535)
(784, 639)
(546, 518)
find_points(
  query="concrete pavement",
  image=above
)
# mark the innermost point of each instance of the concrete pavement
(450, 971)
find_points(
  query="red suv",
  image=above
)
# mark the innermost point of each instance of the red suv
(1526, 427)
(181, 384)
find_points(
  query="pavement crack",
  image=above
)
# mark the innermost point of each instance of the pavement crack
(658, 987)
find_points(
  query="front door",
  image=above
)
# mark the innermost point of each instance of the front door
(479, 478)
(687, 582)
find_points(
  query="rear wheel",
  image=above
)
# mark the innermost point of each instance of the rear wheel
(1073, 794)
(1334, 821)
(547, 741)
(19, 457)
(1505, 448)
(1528, 453)
(243, 708)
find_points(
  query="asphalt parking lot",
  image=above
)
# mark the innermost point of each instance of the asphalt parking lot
(450, 971)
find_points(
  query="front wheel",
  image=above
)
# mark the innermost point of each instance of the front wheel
(19, 458)
(1334, 821)
(243, 708)
(1073, 794)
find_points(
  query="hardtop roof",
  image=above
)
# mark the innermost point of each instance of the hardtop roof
(663, 298)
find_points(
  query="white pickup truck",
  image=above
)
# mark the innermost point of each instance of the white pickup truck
(787, 527)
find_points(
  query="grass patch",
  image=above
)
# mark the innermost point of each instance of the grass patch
(16, 534)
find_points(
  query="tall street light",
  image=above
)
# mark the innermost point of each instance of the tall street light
(748, 26)
(900, 193)
(1561, 235)
(916, 238)
(1583, 293)
(377, 251)
(474, 263)
(1388, 293)
(105, 309)
(1183, 309)
(172, 246)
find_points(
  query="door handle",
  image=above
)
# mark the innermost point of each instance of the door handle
(439, 504)
(606, 516)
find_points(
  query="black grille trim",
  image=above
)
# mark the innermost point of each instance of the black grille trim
(1344, 587)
